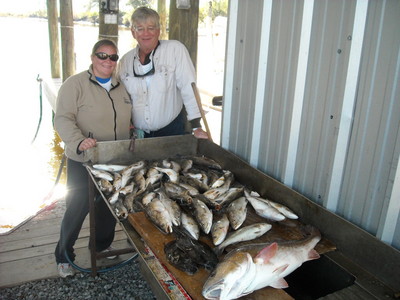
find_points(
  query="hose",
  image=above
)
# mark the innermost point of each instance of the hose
(41, 107)
(117, 266)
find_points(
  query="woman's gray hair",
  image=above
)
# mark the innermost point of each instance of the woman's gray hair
(103, 42)
(143, 13)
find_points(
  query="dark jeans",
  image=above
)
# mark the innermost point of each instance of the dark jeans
(77, 208)
(176, 127)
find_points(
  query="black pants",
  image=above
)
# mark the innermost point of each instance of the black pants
(77, 208)
(176, 127)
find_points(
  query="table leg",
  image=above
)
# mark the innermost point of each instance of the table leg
(92, 223)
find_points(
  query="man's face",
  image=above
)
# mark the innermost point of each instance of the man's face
(146, 34)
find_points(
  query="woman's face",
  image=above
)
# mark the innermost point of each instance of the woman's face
(146, 34)
(104, 68)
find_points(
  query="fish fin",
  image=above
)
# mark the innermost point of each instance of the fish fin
(313, 254)
(266, 253)
(279, 284)
(280, 269)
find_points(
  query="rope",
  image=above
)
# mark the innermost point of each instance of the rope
(41, 107)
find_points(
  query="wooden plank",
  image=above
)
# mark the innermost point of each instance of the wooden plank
(53, 211)
(44, 266)
(46, 238)
(27, 254)
(25, 270)
(34, 230)
(31, 252)
(28, 243)
(193, 284)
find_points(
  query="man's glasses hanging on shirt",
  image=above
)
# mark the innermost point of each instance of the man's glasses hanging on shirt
(148, 73)
(149, 60)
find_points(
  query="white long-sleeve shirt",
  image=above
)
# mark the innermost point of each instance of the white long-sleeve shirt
(158, 99)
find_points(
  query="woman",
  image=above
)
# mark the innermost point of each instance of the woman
(91, 106)
(158, 76)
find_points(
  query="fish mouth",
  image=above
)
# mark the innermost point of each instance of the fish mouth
(215, 291)
(220, 290)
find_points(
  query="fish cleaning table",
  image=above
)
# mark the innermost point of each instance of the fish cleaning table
(193, 284)
(353, 263)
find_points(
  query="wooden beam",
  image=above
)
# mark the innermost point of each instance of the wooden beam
(67, 39)
(183, 25)
(162, 11)
(52, 17)
(108, 21)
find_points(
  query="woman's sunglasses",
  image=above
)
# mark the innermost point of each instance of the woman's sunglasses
(104, 56)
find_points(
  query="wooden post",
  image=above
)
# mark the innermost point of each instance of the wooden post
(52, 19)
(108, 20)
(183, 24)
(162, 11)
(67, 38)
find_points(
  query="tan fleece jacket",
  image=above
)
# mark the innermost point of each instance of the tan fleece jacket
(83, 107)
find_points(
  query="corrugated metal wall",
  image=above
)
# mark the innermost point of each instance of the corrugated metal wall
(312, 98)
(247, 47)
(329, 52)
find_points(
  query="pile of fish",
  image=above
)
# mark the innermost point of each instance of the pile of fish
(197, 195)
(192, 192)
(188, 254)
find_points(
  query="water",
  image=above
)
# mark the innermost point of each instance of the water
(30, 169)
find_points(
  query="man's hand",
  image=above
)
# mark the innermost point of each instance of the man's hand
(200, 133)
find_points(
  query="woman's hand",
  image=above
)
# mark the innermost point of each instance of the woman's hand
(87, 144)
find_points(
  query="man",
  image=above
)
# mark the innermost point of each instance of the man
(158, 76)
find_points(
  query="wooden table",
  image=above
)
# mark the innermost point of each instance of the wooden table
(193, 284)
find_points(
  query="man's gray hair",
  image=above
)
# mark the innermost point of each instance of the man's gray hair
(143, 13)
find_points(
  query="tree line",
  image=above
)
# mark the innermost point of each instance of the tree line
(211, 9)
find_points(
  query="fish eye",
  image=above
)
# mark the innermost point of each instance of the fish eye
(213, 273)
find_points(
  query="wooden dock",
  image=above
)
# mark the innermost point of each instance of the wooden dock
(27, 253)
